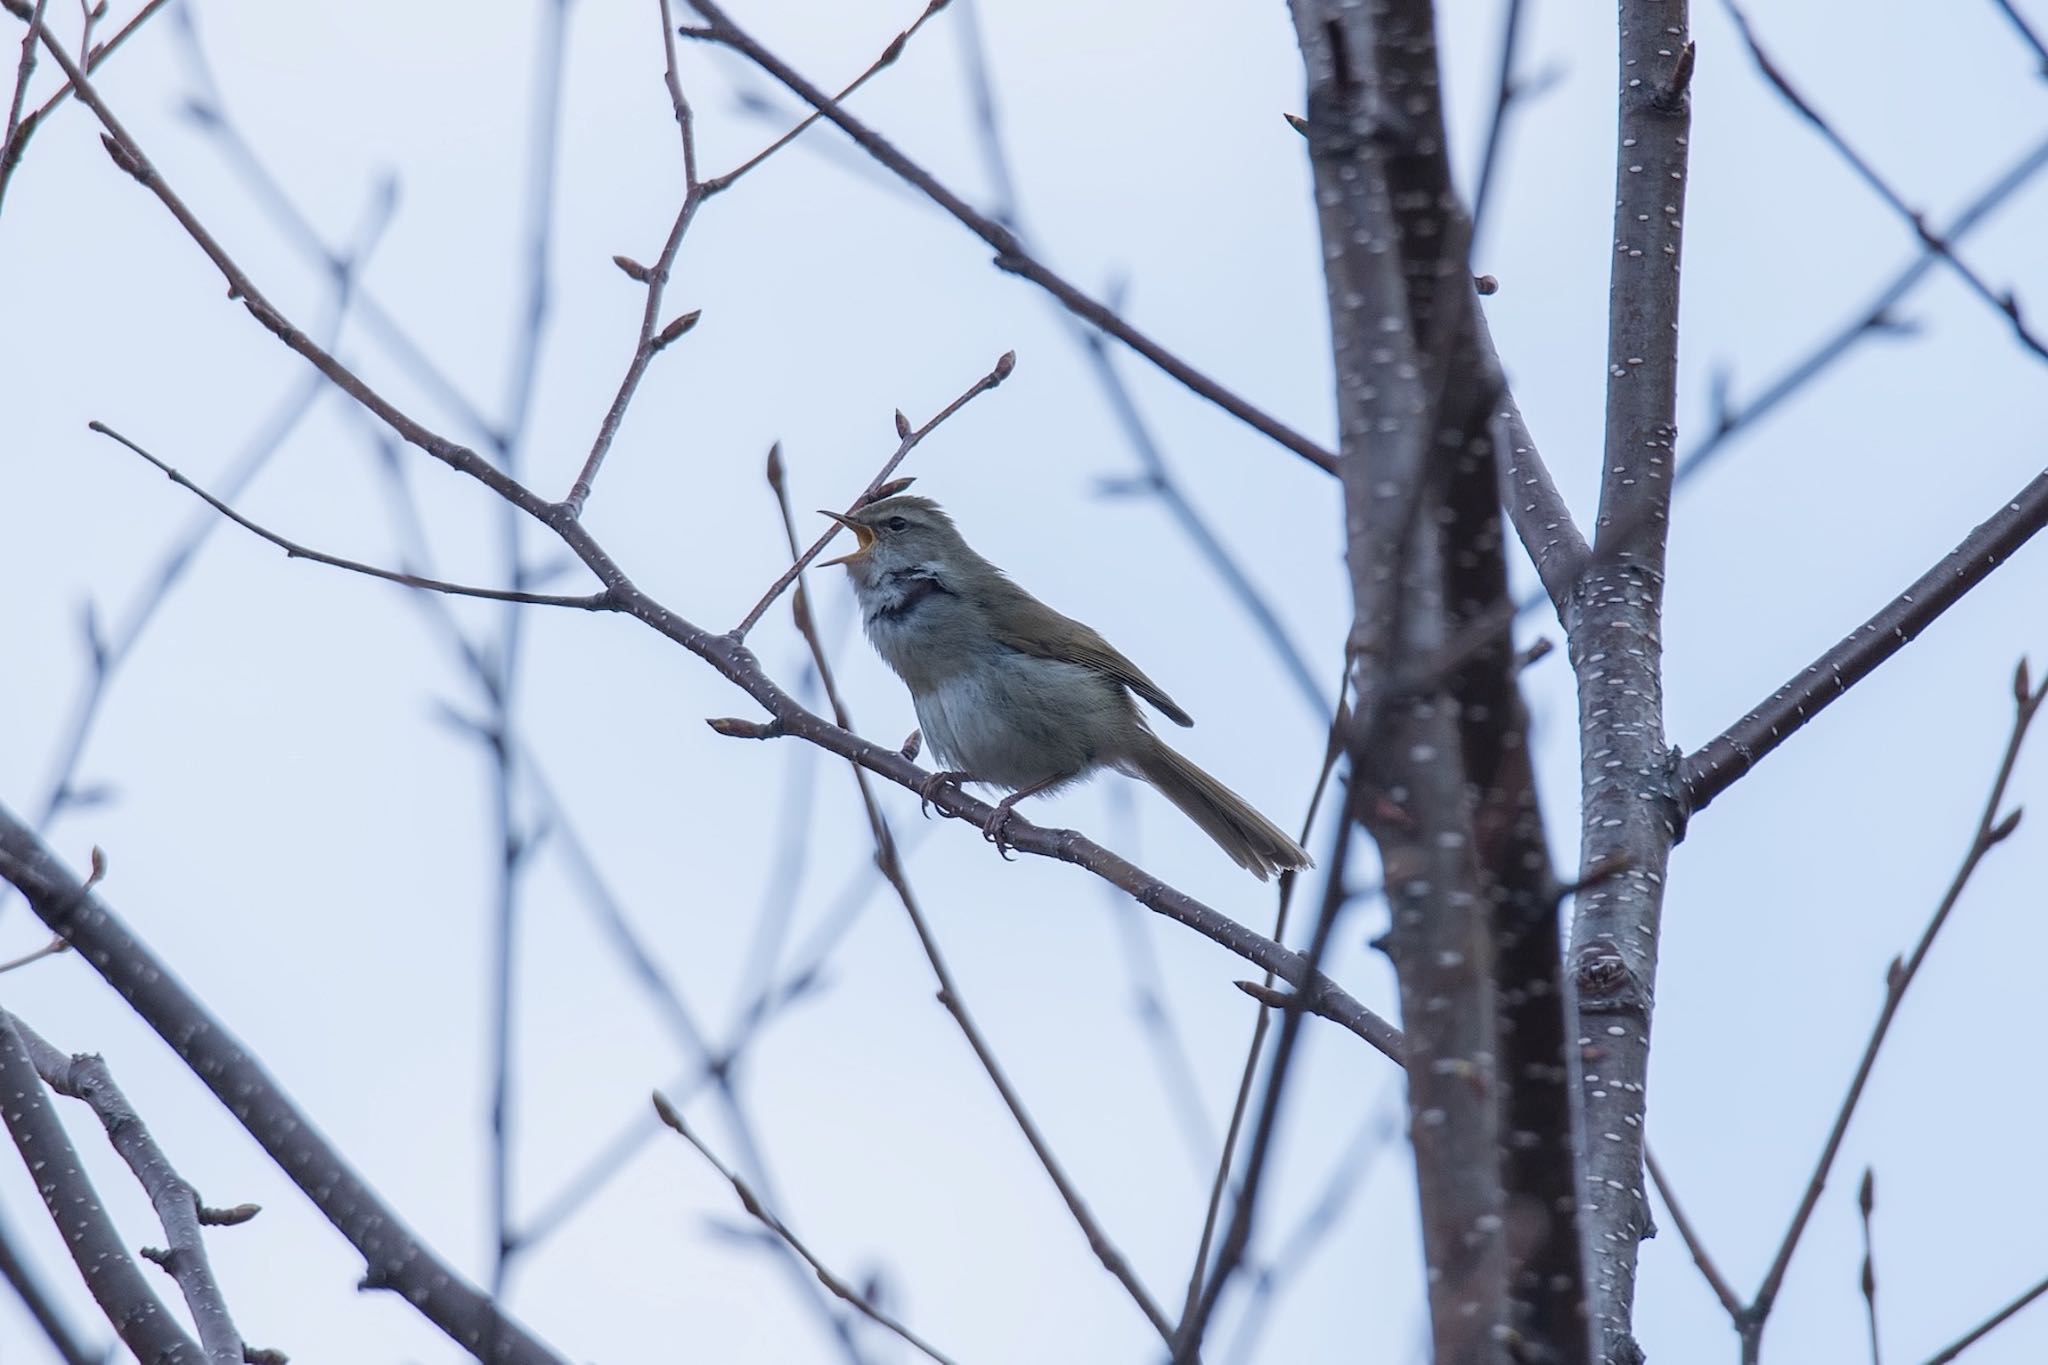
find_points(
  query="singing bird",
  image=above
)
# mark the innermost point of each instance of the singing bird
(1011, 693)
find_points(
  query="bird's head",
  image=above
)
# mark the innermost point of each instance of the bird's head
(900, 533)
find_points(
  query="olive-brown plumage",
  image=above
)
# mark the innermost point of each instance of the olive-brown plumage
(1010, 692)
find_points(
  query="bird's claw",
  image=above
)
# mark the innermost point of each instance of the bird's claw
(996, 830)
(928, 790)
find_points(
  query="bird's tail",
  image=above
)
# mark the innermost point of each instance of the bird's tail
(1252, 841)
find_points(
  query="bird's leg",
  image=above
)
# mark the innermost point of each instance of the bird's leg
(928, 790)
(999, 818)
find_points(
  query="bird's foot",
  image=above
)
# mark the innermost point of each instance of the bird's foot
(995, 830)
(928, 790)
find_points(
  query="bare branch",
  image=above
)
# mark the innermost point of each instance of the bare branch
(1876, 318)
(396, 1259)
(1628, 815)
(23, 69)
(1186, 1339)
(655, 278)
(1534, 506)
(596, 601)
(1157, 478)
(1866, 1201)
(1010, 253)
(1269, 999)
(1722, 761)
(176, 1202)
(673, 1117)
(718, 184)
(2002, 300)
(1992, 828)
(95, 1244)
(1507, 91)
(1716, 1281)
(2026, 33)
(1988, 1326)
(19, 128)
(907, 441)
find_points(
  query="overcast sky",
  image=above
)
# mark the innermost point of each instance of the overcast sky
(295, 824)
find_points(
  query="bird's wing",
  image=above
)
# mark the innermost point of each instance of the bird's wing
(1037, 629)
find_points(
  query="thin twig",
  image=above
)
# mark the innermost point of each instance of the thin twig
(1333, 747)
(1158, 478)
(1378, 1132)
(2026, 32)
(20, 129)
(24, 68)
(498, 737)
(908, 440)
(673, 1117)
(1716, 765)
(1506, 92)
(1874, 319)
(1866, 1202)
(1716, 1281)
(34, 955)
(596, 601)
(655, 278)
(718, 184)
(2004, 301)
(1186, 1340)
(1151, 1004)
(1993, 828)
(1010, 253)
(1988, 1326)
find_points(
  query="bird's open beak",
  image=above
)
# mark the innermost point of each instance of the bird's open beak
(862, 533)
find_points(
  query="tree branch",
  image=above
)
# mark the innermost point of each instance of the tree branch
(1628, 816)
(907, 440)
(1993, 828)
(1010, 253)
(1719, 763)
(1988, 1326)
(138, 1317)
(2003, 301)
(170, 1194)
(595, 601)
(655, 279)
(751, 1202)
(396, 1259)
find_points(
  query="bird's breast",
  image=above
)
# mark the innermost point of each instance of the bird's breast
(1017, 719)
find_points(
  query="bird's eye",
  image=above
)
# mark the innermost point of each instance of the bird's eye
(898, 524)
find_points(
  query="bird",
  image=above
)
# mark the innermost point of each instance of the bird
(1012, 693)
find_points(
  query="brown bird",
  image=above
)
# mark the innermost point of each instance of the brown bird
(1011, 693)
